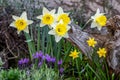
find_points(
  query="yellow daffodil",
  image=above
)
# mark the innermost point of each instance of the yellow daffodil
(99, 20)
(61, 15)
(21, 23)
(102, 52)
(47, 17)
(59, 30)
(74, 54)
(91, 42)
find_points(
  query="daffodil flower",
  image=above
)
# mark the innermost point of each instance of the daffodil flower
(102, 52)
(91, 42)
(74, 54)
(47, 17)
(99, 20)
(61, 15)
(21, 23)
(59, 30)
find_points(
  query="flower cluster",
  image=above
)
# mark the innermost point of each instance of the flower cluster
(92, 42)
(58, 23)
(38, 59)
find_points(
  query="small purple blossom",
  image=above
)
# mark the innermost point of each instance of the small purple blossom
(61, 70)
(53, 60)
(48, 58)
(38, 55)
(60, 62)
(43, 57)
(39, 64)
(23, 61)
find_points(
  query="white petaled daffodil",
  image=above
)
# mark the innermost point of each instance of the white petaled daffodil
(61, 15)
(21, 23)
(47, 17)
(59, 30)
(99, 20)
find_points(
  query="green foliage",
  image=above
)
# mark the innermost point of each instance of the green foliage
(12, 74)
(39, 74)
(43, 73)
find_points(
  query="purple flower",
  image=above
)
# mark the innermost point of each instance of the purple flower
(23, 61)
(60, 62)
(61, 70)
(39, 64)
(53, 60)
(48, 58)
(26, 60)
(20, 62)
(38, 55)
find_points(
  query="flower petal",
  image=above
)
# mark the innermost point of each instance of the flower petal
(12, 24)
(99, 27)
(93, 24)
(68, 27)
(42, 25)
(29, 22)
(92, 17)
(51, 32)
(57, 38)
(98, 11)
(45, 10)
(52, 11)
(18, 32)
(60, 10)
(66, 35)
(15, 17)
(26, 30)
(24, 15)
(39, 17)
(53, 25)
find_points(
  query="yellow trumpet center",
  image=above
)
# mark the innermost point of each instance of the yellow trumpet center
(47, 19)
(20, 24)
(101, 20)
(61, 29)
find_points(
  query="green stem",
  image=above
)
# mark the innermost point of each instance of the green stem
(93, 71)
(30, 43)
(38, 39)
(86, 23)
(77, 66)
(67, 53)
(59, 50)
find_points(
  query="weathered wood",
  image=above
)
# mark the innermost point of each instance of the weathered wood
(113, 45)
